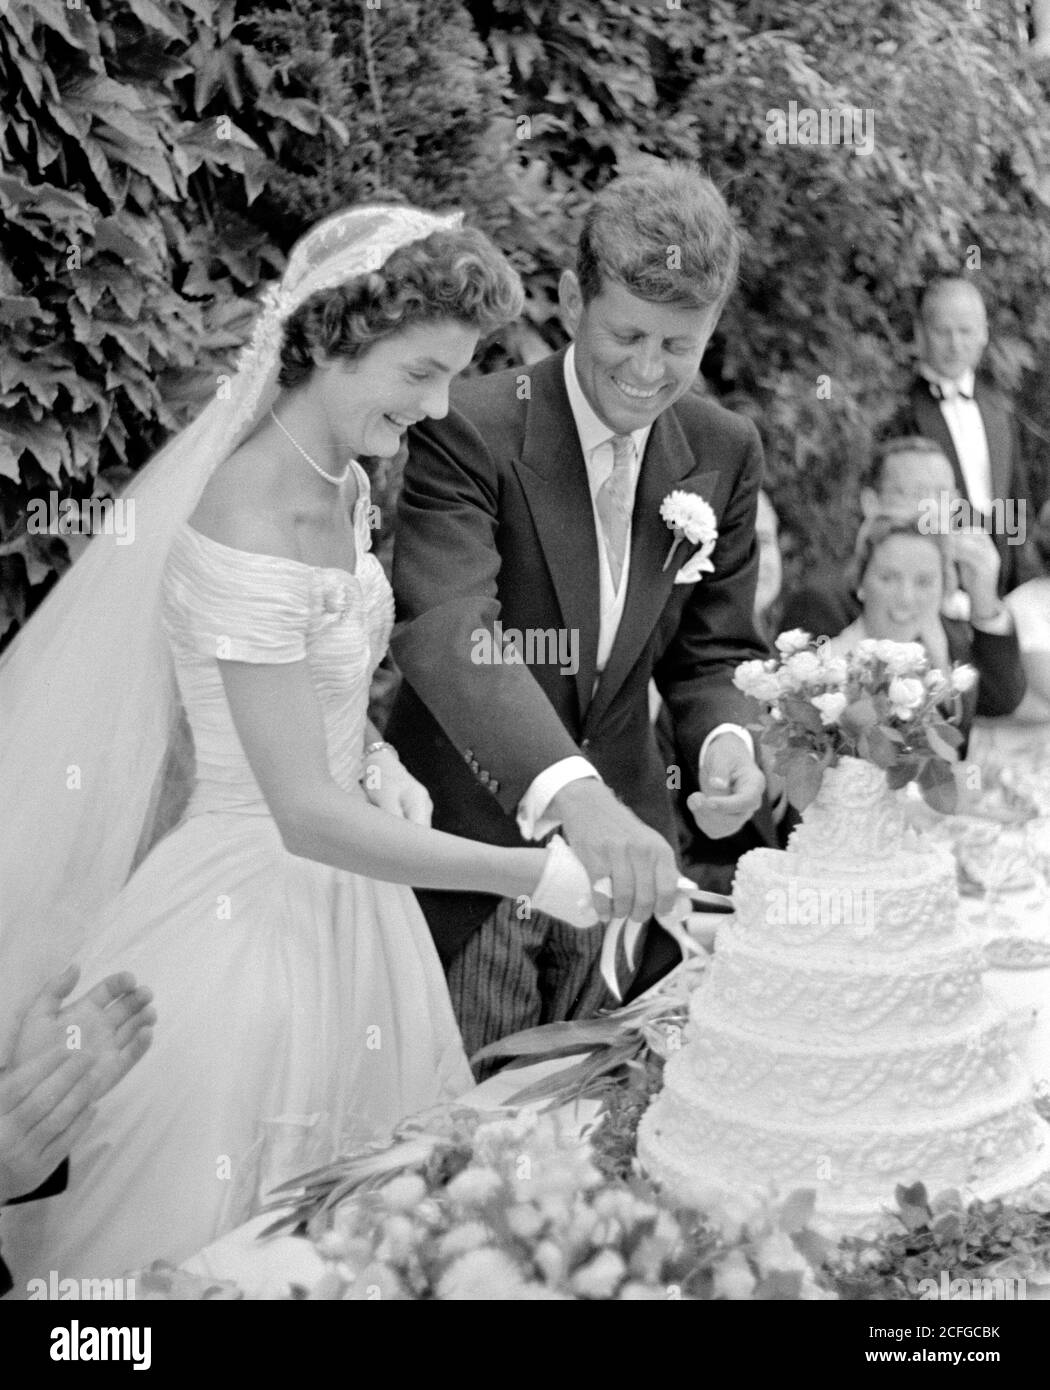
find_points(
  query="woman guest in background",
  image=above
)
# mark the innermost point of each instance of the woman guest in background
(1029, 606)
(299, 990)
(899, 575)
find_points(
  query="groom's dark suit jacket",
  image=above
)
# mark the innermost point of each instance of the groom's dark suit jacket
(495, 522)
(921, 414)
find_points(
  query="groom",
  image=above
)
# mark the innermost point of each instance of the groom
(535, 602)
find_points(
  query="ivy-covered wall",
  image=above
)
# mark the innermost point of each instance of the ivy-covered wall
(159, 157)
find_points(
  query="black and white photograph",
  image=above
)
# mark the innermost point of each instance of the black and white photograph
(524, 662)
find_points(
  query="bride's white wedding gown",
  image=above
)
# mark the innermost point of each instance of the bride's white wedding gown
(298, 1005)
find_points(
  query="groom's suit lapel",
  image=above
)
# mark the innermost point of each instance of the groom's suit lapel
(554, 479)
(669, 463)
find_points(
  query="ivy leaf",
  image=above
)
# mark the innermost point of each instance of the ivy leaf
(46, 201)
(111, 236)
(9, 461)
(342, 133)
(40, 376)
(14, 307)
(55, 16)
(46, 441)
(209, 77)
(302, 115)
(150, 16)
(99, 166)
(148, 162)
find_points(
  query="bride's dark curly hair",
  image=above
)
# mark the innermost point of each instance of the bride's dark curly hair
(456, 274)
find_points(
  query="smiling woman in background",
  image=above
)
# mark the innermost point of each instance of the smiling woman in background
(900, 573)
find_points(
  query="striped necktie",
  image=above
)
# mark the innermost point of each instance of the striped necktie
(614, 505)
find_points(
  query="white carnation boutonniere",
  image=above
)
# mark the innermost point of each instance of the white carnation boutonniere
(691, 519)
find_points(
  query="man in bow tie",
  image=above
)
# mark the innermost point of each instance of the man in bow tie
(972, 422)
(534, 509)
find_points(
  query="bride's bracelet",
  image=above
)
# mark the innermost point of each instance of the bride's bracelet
(378, 747)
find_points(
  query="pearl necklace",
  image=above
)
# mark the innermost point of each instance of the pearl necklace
(328, 477)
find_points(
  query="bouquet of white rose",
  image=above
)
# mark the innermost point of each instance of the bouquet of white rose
(882, 702)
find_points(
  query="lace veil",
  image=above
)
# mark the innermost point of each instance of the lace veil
(89, 714)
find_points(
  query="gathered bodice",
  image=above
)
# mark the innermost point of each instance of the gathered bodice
(220, 603)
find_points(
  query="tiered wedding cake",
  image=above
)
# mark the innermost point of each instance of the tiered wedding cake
(842, 1039)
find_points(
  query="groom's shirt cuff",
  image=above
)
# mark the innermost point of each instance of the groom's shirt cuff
(533, 821)
(728, 729)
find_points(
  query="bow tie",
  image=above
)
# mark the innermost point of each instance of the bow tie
(948, 391)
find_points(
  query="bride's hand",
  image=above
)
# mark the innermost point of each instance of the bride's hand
(564, 890)
(392, 788)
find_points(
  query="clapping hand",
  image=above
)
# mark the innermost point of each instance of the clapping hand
(978, 563)
(731, 787)
(45, 1106)
(391, 787)
(62, 1061)
(112, 1024)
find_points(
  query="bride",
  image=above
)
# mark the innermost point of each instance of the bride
(300, 999)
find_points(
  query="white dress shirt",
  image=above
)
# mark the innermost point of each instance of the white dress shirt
(966, 427)
(596, 445)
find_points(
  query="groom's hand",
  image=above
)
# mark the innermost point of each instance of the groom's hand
(613, 843)
(731, 788)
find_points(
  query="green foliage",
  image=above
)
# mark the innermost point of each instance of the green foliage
(839, 242)
(112, 296)
(939, 1234)
(161, 159)
(406, 90)
(161, 162)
